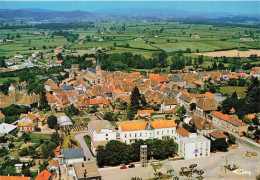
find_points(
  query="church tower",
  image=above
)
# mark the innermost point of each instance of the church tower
(98, 79)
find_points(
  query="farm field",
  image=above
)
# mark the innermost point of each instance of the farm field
(138, 37)
(231, 53)
(241, 91)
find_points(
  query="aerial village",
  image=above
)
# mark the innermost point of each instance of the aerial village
(91, 108)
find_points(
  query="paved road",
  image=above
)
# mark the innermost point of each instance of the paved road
(87, 153)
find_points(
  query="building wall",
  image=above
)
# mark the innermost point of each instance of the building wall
(71, 161)
(131, 136)
(194, 150)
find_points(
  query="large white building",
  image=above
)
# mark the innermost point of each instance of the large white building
(101, 130)
(194, 146)
(133, 131)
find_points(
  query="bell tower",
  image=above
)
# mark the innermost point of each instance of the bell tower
(98, 78)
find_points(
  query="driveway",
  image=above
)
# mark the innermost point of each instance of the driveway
(87, 153)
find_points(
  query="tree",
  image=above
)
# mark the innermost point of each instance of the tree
(232, 82)
(241, 82)
(231, 139)
(110, 116)
(247, 120)
(26, 137)
(101, 154)
(71, 110)
(135, 97)
(26, 171)
(143, 101)
(192, 106)
(55, 137)
(52, 121)
(221, 144)
(201, 59)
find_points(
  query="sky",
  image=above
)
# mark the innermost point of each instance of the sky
(243, 7)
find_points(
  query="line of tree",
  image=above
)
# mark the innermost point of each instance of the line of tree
(116, 152)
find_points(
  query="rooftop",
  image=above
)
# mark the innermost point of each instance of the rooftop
(86, 169)
(194, 139)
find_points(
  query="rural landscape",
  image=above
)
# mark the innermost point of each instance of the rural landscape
(126, 90)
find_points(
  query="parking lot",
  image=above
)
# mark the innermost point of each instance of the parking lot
(213, 167)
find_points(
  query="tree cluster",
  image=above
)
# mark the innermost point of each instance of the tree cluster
(116, 152)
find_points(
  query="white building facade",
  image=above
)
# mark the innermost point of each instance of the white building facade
(194, 146)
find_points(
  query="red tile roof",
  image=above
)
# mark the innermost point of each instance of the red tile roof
(44, 175)
(14, 178)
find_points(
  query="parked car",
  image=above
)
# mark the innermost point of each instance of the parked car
(123, 167)
(131, 166)
(192, 112)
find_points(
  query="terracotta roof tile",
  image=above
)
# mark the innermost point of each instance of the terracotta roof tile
(44, 175)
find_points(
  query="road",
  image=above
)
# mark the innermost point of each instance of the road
(87, 153)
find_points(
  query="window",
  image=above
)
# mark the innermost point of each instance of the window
(167, 131)
(157, 132)
(140, 134)
(106, 138)
(125, 135)
(106, 134)
(130, 135)
(135, 134)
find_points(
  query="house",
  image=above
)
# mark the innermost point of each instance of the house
(168, 105)
(101, 131)
(27, 122)
(203, 126)
(14, 178)
(86, 170)
(206, 106)
(194, 146)
(44, 175)
(53, 166)
(144, 113)
(70, 156)
(116, 93)
(2, 117)
(229, 122)
(217, 135)
(186, 100)
(177, 80)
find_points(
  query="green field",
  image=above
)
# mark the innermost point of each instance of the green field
(167, 36)
(40, 136)
(241, 91)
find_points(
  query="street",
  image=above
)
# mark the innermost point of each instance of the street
(87, 153)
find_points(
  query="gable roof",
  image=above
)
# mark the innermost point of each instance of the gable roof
(207, 104)
(170, 101)
(44, 175)
(162, 124)
(183, 132)
(53, 163)
(218, 134)
(72, 153)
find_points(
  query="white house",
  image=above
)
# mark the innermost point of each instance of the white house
(194, 146)
(101, 130)
(168, 105)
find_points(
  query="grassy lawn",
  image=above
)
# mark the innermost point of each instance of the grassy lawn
(88, 142)
(231, 89)
(66, 141)
(40, 136)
